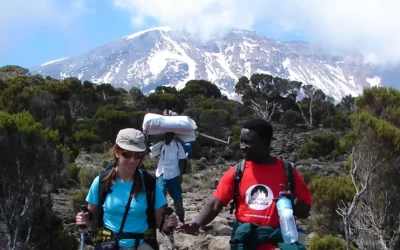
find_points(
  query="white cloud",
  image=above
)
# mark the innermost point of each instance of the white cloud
(370, 26)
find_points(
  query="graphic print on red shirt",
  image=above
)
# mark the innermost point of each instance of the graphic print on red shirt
(260, 184)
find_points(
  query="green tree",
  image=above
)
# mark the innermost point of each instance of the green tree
(371, 219)
(328, 194)
(30, 156)
(265, 94)
(202, 88)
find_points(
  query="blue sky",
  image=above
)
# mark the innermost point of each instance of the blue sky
(45, 30)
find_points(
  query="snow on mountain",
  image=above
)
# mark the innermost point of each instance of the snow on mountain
(53, 61)
(162, 56)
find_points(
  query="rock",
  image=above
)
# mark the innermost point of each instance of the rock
(219, 243)
(301, 168)
(315, 167)
(88, 158)
(219, 160)
(77, 162)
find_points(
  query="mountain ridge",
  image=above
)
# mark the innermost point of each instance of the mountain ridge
(163, 56)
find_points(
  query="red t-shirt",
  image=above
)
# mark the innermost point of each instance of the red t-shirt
(259, 185)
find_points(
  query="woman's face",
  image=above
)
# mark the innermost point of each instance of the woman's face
(129, 161)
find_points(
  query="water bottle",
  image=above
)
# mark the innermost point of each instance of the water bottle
(286, 220)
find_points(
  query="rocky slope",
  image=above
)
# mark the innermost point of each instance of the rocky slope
(162, 56)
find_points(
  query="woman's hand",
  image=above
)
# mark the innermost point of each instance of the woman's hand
(82, 218)
(170, 222)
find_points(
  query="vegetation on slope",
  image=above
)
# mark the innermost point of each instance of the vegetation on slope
(45, 122)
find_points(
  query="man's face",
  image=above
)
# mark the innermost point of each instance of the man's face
(251, 145)
(168, 137)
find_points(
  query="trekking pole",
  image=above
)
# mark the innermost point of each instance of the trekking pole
(82, 227)
(169, 211)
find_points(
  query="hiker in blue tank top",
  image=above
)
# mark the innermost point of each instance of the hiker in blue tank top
(125, 179)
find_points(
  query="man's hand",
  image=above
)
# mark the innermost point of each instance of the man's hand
(190, 228)
(286, 193)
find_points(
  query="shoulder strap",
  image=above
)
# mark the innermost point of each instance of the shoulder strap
(102, 192)
(237, 178)
(128, 205)
(177, 147)
(289, 172)
(150, 186)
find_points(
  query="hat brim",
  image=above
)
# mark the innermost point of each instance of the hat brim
(133, 148)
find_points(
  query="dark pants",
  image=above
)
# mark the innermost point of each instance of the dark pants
(175, 191)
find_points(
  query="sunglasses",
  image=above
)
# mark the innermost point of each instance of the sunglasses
(129, 154)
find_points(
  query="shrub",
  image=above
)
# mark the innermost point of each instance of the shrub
(309, 175)
(327, 143)
(339, 121)
(73, 171)
(150, 163)
(97, 148)
(48, 231)
(321, 145)
(291, 118)
(196, 150)
(329, 193)
(309, 150)
(78, 199)
(87, 175)
(328, 242)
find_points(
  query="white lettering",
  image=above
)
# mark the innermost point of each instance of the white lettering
(256, 215)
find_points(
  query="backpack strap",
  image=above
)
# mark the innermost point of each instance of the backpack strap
(289, 172)
(237, 178)
(102, 192)
(150, 187)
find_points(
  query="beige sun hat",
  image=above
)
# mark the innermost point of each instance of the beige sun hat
(131, 139)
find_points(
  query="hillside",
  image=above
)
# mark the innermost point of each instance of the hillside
(55, 137)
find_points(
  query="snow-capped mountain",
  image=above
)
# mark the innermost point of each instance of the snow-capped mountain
(162, 56)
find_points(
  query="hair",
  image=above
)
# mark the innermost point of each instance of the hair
(262, 127)
(110, 179)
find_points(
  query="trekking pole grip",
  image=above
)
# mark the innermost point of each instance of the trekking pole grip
(84, 209)
(168, 211)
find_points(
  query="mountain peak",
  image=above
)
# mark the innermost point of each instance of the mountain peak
(139, 33)
(172, 58)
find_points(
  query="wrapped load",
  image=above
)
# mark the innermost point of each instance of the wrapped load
(182, 126)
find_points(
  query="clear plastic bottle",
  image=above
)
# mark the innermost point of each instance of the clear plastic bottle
(286, 220)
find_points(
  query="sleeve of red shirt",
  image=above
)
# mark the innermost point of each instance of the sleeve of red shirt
(224, 191)
(300, 188)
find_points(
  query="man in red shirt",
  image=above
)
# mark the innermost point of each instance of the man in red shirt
(262, 182)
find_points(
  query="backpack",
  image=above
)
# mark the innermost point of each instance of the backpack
(289, 172)
(187, 149)
(149, 181)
